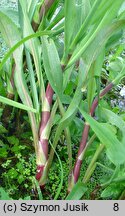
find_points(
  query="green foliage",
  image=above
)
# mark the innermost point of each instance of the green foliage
(16, 104)
(16, 167)
(115, 149)
(4, 195)
(77, 192)
(54, 180)
(52, 65)
(113, 191)
(76, 51)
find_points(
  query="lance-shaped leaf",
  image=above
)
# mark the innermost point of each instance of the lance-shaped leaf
(52, 8)
(32, 81)
(36, 16)
(32, 45)
(12, 35)
(82, 10)
(114, 119)
(70, 13)
(91, 51)
(115, 149)
(16, 104)
(52, 65)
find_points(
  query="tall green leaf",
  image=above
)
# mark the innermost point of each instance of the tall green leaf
(32, 45)
(83, 8)
(12, 35)
(70, 13)
(32, 81)
(52, 65)
(72, 109)
(16, 104)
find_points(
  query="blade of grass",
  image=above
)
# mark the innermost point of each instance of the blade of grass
(38, 189)
(32, 45)
(21, 41)
(52, 65)
(16, 104)
(70, 13)
(32, 81)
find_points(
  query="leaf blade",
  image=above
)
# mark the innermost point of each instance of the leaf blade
(77, 192)
(115, 149)
(52, 66)
(16, 104)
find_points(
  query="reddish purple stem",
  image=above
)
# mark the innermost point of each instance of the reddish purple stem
(95, 102)
(76, 171)
(44, 120)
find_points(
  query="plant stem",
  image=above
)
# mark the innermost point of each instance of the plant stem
(44, 130)
(88, 144)
(95, 102)
(78, 163)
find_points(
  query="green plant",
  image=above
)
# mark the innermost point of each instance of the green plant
(45, 82)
